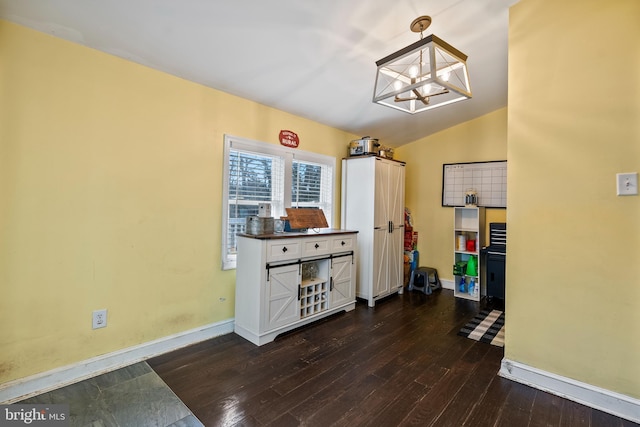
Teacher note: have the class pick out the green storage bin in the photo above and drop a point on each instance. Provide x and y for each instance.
(460, 268)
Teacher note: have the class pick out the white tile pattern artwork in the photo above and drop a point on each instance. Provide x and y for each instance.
(488, 179)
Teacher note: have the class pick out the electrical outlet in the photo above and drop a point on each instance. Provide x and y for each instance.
(627, 184)
(99, 319)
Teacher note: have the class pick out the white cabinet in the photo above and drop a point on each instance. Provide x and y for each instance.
(373, 204)
(287, 280)
(281, 304)
(468, 238)
(343, 281)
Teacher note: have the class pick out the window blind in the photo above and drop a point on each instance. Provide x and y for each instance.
(257, 172)
(311, 186)
(253, 178)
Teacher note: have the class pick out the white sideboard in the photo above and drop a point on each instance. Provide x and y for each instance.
(286, 280)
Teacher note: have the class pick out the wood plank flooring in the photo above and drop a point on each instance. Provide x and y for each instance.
(400, 363)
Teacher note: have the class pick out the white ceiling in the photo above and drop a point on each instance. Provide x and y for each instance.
(312, 58)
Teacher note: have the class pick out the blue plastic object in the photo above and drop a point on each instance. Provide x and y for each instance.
(415, 256)
(462, 287)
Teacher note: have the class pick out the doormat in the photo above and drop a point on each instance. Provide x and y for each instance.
(487, 326)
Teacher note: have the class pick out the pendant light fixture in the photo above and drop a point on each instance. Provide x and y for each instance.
(427, 74)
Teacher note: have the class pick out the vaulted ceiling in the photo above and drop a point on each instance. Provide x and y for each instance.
(315, 59)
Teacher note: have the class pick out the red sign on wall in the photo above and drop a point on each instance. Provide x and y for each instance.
(289, 139)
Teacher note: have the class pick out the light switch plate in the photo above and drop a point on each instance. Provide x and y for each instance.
(627, 184)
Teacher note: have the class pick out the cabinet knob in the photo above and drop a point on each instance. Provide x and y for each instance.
(284, 249)
(316, 246)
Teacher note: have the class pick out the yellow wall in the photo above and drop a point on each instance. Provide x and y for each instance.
(573, 290)
(482, 139)
(110, 197)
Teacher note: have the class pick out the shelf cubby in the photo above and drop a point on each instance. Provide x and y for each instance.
(468, 225)
(314, 298)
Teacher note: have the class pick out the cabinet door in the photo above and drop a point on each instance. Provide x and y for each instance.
(495, 275)
(380, 265)
(396, 216)
(395, 192)
(395, 259)
(389, 195)
(342, 287)
(390, 205)
(381, 199)
(282, 305)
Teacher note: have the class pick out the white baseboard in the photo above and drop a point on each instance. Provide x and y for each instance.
(447, 284)
(604, 400)
(23, 388)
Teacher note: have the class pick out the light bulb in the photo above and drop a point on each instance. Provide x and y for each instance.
(397, 85)
(426, 89)
(446, 76)
(413, 71)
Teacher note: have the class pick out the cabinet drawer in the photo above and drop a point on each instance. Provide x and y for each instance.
(283, 250)
(343, 243)
(315, 247)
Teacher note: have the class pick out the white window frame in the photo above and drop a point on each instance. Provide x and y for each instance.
(289, 155)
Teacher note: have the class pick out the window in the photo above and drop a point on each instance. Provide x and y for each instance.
(257, 172)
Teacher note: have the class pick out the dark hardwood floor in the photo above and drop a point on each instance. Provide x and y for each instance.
(400, 363)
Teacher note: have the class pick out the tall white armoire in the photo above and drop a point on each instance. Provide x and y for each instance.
(373, 204)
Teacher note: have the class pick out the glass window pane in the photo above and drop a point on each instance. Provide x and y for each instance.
(311, 186)
(306, 183)
(253, 178)
(263, 173)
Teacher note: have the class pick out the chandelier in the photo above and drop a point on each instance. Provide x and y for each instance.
(427, 74)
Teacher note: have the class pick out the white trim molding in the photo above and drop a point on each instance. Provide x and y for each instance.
(447, 284)
(23, 388)
(598, 398)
